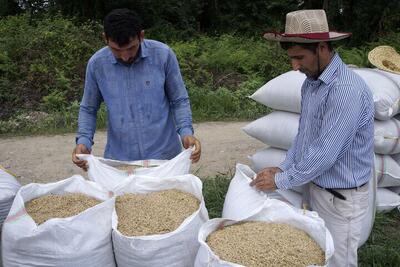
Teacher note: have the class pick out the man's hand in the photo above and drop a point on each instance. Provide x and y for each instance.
(80, 149)
(189, 141)
(265, 179)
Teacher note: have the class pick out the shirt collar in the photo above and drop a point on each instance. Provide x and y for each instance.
(143, 52)
(328, 75)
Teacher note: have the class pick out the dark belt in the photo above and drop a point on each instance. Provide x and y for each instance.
(336, 193)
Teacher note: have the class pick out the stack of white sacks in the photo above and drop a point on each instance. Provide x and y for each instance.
(278, 129)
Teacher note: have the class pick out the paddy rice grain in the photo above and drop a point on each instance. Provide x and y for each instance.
(265, 244)
(47, 207)
(154, 213)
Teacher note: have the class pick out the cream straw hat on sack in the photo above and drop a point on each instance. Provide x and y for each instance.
(386, 58)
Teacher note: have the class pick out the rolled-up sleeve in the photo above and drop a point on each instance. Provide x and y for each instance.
(178, 96)
(88, 108)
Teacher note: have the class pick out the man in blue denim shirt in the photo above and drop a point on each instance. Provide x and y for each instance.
(139, 80)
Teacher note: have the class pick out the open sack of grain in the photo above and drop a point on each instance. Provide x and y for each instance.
(110, 173)
(270, 157)
(294, 238)
(33, 237)
(157, 220)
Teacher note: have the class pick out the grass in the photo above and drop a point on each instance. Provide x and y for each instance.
(381, 249)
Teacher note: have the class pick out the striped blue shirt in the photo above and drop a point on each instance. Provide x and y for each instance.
(334, 146)
(147, 104)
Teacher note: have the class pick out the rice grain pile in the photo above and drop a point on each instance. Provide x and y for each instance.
(126, 167)
(58, 206)
(154, 213)
(265, 244)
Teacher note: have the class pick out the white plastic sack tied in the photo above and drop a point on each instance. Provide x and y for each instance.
(102, 172)
(271, 157)
(279, 128)
(241, 200)
(284, 91)
(177, 248)
(271, 210)
(81, 240)
(387, 200)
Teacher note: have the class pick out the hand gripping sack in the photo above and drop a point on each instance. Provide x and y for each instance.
(271, 157)
(81, 240)
(271, 210)
(102, 171)
(177, 248)
(242, 199)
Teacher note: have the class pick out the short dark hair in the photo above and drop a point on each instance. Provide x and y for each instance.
(309, 46)
(121, 25)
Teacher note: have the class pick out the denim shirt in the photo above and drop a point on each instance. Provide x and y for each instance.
(334, 146)
(147, 104)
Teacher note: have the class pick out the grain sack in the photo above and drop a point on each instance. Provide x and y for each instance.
(279, 128)
(176, 248)
(104, 171)
(387, 171)
(386, 200)
(8, 189)
(265, 244)
(395, 189)
(272, 211)
(241, 200)
(81, 240)
(271, 157)
(284, 91)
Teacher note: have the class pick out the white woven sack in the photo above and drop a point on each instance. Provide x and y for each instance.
(177, 248)
(102, 171)
(387, 171)
(279, 128)
(8, 189)
(271, 210)
(282, 93)
(385, 90)
(242, 199)
(386, 200)
(81, 240)
(271, 157)
(395, 189)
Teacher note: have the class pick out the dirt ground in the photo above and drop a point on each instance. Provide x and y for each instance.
(45, 159)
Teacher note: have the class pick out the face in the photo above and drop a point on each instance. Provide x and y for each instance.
(304, 60)
(126, 53)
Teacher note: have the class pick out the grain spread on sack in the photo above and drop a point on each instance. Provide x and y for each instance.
(265, 244)
(154, 213)
(47, 207)
(126, 167)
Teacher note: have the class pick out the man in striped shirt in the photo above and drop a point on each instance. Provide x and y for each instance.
(334, 146)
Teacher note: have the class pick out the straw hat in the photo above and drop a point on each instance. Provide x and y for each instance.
(306, 26)
(386, 58)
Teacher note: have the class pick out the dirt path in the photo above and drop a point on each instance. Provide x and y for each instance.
(48, 158)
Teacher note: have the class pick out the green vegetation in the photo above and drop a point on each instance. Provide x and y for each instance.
(42, 67)
(381, 250)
